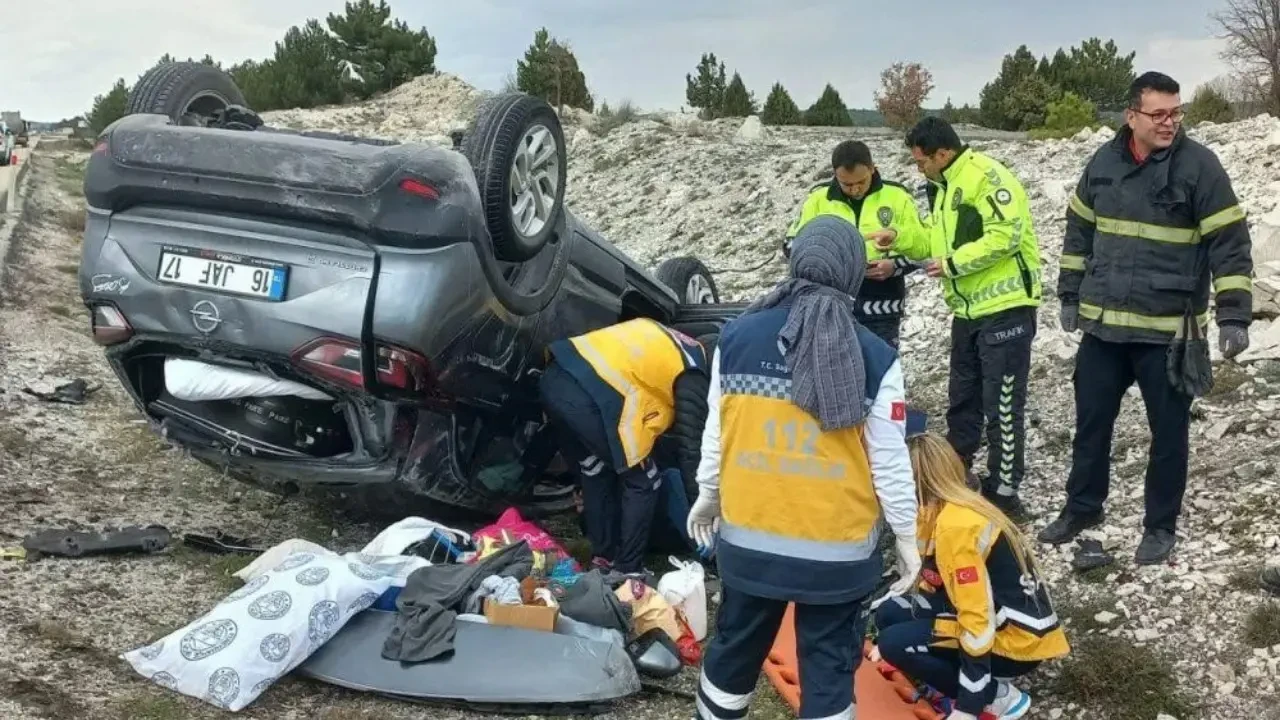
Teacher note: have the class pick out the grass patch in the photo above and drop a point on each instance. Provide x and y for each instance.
(1227, 378)
(1080, 617)
(1121, 681)
(150, 705)
(1262, 626)
(220, 568)
(610, 118)
(40, 696)
(1247, 579)
(61, 311)
(72, 219)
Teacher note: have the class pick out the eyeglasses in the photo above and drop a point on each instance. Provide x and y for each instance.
(1160, 117)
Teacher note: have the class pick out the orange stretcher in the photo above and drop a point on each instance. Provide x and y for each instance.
(883, 693)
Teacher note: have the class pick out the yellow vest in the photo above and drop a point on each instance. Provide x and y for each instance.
(639, 361)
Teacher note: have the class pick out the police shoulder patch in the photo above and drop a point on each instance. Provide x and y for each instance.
(1003, 196)
(957, 198)
(885, 216)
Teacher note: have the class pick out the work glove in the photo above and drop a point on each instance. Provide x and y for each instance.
(1070, 317)
(704, 519)
(1233, 338)
(908, 569)
(957, 715)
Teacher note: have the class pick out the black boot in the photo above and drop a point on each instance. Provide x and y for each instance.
(1155, 547)
(1011, 506)
(1067, 526)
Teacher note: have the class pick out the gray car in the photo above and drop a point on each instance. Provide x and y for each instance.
(383, 308)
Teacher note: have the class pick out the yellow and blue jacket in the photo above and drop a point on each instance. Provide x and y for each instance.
(631, 371)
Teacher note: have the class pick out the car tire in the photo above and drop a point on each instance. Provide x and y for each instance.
(689, 279)
(187, 92)
(514, 130)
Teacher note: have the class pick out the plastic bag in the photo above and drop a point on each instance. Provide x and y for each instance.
(685, 589)
(511, 528)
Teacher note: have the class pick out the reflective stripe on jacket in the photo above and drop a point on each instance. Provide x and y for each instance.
(981, 226)
(1144, 239)
(886, 205)
(630, 370)
(801, 508)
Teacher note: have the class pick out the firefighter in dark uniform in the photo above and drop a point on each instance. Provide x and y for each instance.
(1152, 224)
(804, 459)
(610, 394)
(982, 245)
(858, 194)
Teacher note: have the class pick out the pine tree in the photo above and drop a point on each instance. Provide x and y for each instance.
(109, 107)
(382, 53)
(737, 101)
(706, 92)
(829, 110)
(550, 71)
(780, 109)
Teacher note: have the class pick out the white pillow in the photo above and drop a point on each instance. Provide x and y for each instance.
(260, 632)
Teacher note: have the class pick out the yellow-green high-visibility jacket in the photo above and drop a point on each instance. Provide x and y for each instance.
(981, 228)
(1143, 240)
(887, 204)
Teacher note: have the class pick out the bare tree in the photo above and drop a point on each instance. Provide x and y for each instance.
(1252, 31)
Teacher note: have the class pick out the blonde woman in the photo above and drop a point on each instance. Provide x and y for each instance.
(980, 615)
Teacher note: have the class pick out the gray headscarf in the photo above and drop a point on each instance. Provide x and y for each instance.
(820, 340)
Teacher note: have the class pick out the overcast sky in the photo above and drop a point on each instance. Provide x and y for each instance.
(58, 54)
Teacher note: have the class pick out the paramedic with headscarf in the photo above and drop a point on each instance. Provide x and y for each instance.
(803, 452)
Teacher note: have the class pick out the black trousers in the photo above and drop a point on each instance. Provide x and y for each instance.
(828, 648)
(618, 506)
(886, 327)
(990, 365)
(1104, 371)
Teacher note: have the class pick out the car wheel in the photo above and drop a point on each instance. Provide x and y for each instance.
(516, 147)
(689, 279)
(187, 92)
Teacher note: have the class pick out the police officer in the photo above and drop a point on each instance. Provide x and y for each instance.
(982, 246)
(1153, 220)
(803, 452)
(858, 194)
(610, 393)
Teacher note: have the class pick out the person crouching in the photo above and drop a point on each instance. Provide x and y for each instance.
(609, 394)
(803, 455)
(982, 614)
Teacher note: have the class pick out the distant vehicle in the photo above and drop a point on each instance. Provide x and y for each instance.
(312, 309)
(19, 127)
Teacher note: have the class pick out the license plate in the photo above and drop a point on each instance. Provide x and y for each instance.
(224, 272)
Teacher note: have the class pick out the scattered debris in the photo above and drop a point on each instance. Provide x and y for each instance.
(75, 392)
(72, 543)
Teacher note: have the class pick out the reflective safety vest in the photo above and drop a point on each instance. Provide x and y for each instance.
(997, 608)
(981, 226)
(629, 370)
(799, 513)
(886, 205)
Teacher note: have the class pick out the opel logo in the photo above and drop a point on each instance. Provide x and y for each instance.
(204, 315)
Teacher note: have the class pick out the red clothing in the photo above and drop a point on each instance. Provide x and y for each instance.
(1138, 155)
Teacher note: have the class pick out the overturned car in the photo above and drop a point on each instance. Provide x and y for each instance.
(312, 309)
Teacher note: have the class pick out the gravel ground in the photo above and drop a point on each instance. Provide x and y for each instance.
(1193, 639)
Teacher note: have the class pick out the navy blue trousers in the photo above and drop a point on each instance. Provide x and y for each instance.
(828, 646)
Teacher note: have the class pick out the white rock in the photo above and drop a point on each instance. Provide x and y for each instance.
(1105, 617)
(751, 129)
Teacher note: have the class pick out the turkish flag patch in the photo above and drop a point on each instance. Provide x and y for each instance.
(931, 577)
(966, 575)
(898, 411)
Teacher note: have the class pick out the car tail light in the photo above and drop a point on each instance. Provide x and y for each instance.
(110, 326)
(338, 360)
(419, 188)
